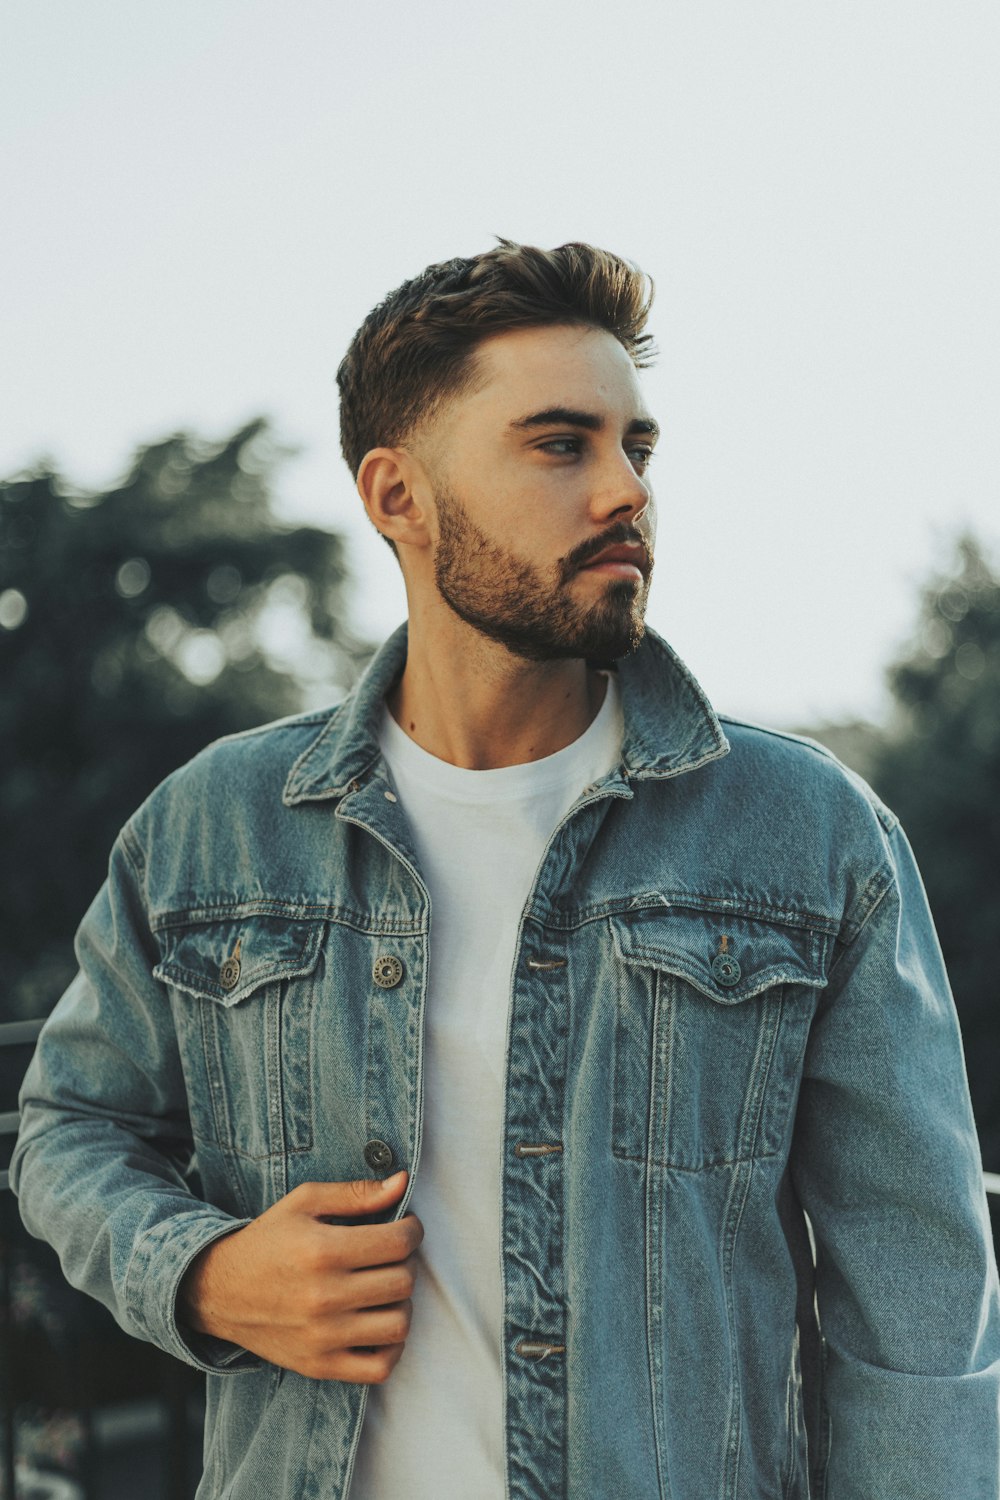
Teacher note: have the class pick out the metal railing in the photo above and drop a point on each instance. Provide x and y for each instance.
(14, 1034)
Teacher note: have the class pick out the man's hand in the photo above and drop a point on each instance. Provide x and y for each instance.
(331, 1301)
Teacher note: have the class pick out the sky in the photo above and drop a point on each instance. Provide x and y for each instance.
(202, 201)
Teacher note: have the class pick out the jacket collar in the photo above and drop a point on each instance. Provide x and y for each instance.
(670, 726)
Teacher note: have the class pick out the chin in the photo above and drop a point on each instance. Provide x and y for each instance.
(623, 645)
(616, 629)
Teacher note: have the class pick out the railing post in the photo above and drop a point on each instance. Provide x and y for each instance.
(12, 1034)
(6, 1374)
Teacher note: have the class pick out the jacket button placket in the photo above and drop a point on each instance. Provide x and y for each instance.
(532, 1229)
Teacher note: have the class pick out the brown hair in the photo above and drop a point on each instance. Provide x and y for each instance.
(415, 349)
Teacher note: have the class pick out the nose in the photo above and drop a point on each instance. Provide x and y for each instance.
(620, 493)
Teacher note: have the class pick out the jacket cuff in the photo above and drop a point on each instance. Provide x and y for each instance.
(889, 1431)
(155, 1272)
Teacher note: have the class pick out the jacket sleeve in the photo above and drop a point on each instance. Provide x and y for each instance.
(887, 1166)
(101, 1164)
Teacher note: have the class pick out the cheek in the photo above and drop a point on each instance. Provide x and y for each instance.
(534, 523)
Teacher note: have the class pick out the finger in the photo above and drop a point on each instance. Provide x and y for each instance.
(359, 1246)
(366, 1195)
(374, 1327)
(364, 1368)
(381, 1286)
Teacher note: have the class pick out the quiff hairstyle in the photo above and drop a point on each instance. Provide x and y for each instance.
(415, 349)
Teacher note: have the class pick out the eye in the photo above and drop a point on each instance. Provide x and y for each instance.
(570, 447)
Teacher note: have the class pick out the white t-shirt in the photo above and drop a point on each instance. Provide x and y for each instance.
(435, 1428)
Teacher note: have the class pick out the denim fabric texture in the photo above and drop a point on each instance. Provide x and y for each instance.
(760, 1267)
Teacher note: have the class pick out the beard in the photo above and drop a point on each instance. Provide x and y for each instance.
(507, 599)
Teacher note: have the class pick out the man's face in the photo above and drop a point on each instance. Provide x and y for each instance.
(544, 509)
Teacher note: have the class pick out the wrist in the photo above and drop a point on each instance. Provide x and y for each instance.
(200, 1301)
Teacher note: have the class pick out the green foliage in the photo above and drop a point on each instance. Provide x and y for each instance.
(134, 629)
(939, 769)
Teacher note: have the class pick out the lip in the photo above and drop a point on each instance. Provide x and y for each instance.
(615, 570)
(622, 561)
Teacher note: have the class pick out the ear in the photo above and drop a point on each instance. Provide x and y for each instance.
(395, 491)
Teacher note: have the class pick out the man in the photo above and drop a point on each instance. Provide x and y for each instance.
(521, 1081)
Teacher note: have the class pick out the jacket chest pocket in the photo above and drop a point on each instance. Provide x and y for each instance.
(711, 1022)
(244, 995)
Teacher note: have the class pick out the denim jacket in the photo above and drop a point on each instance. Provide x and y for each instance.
(760, 1266)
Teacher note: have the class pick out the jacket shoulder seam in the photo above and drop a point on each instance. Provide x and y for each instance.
(886, 817)
(868, 902)
(133, 850)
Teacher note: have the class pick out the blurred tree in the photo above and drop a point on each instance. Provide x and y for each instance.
(938, 767)
(136, 626)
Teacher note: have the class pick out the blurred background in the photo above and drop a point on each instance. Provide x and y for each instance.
(202, 202)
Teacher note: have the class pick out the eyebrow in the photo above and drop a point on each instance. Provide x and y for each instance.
(554, 416)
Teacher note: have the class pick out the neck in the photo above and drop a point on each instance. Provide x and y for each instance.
(469, 701)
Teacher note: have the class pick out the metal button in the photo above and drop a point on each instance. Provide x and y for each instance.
(388, 971)
(378, 1155)
(537, 1348)
(229, 974)
(726, 970)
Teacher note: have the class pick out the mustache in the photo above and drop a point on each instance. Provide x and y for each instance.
(615, 536)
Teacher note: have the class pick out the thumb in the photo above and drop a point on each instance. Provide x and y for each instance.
(366, 1195)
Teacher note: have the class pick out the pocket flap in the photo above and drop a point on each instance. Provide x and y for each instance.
(227, 960)
(727, 957)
